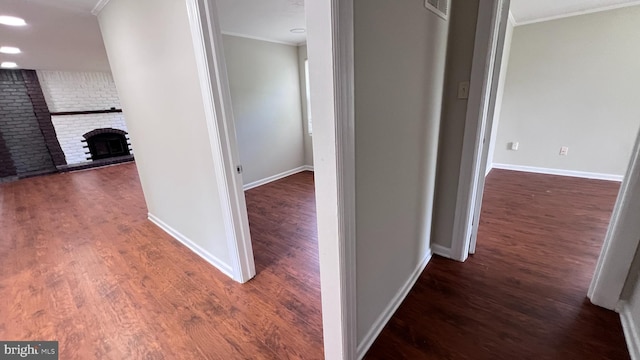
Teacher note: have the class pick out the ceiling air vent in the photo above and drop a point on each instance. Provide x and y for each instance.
(439, 7)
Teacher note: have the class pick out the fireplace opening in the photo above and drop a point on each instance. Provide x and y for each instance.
(106, 143)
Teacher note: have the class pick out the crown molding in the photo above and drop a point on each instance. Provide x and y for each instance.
(99, 6)
(576, 13)
(228, 33)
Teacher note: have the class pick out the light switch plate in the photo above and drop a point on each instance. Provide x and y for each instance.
(463, 90)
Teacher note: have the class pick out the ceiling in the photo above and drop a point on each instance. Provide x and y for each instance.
(263, 19)
(60, 35)
(64, 35)
(528, 11)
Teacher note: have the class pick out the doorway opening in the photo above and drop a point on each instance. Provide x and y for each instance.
(553, 161)
(264, 58)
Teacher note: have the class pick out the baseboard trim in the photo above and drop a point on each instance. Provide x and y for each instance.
(548, 171)
(269, 179)
(217, 263)
(630, 331)
(489, 168)
(391, 308)
(441, 251)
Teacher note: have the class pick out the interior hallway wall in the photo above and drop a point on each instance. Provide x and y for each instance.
(399, 54)
(153, 63)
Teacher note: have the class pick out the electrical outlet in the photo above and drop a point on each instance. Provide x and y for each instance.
(564, 150)
(514, 145)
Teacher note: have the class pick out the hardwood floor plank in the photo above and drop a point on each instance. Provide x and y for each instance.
(523, 294)
(82, 265)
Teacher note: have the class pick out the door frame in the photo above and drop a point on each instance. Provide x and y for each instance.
(618, 255)
(330, 53)
(330, 49)
(216, 96)
(621, 242)
(485, 72)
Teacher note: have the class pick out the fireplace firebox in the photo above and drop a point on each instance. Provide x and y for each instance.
(106, 143)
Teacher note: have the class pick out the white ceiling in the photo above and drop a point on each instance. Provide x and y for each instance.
(64, 35)
(528, 11)
(60, 35)
(263, 19)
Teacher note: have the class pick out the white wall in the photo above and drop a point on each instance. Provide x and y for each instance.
(265, 92)
(399, 73)
(80, 91)
(462, 31)
(153, 63)
(573, 82)
(308, 138)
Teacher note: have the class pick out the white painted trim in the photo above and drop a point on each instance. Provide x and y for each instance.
(275, 177)
(217, 263)
(344, 97)
(229, 33)
(441, 250)
(308, 167)
(621, 241)
(330, 50)
(99, 6)
(561, 172)
(391, 308)
(512, 19)
(212, 74)
(342, 32)
(489, 168)
(577, 13)
(630, 329)
(470, 179)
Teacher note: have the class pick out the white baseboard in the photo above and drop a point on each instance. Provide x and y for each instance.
(391, 308)
(441, 250)
(630, 329)
(489, 168)
(548, 171)
(269, 179)
(220, 265)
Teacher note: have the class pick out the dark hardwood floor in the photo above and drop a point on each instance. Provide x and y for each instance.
(523, 294)
(80, 263)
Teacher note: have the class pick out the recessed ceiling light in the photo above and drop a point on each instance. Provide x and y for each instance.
(12, 20)
(8, 65)
(298, 31)
(9, 50)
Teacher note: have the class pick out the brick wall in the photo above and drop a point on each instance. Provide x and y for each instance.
(7, 168)
(20, 128)
(41, 111)
(80, 91)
